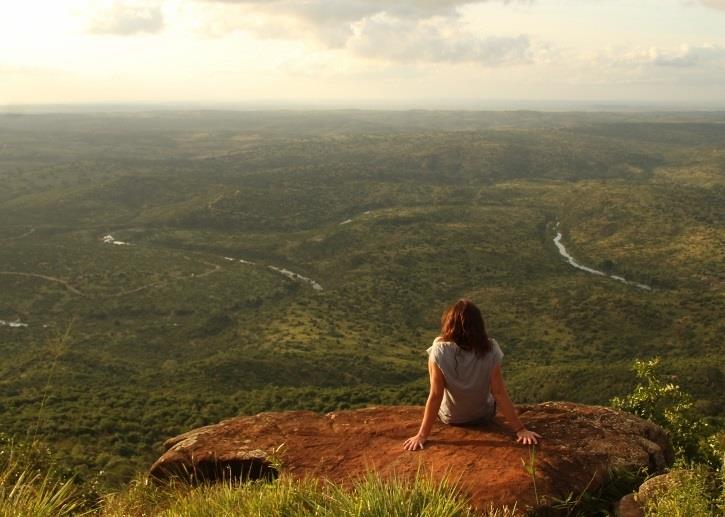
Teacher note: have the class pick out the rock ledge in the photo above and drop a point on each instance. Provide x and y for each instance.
(581, 445)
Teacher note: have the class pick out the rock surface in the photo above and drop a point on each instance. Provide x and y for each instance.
(652, 488)
(628, 507)
(580, 445)
(634, 505)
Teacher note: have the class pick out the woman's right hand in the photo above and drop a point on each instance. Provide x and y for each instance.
(414, 443)
(527, 437)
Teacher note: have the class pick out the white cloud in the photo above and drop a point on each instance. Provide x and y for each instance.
(678, 72)
(686, 56)
(407, 41)
(690, 56)
(402, 31)
(124, 18)
(323, 12)
(714, 4)
(329, 23)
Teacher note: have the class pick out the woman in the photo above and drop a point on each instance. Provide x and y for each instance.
(465, 377)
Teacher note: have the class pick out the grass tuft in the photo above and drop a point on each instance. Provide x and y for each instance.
(27, 492)
(370, 496)
(693, 493)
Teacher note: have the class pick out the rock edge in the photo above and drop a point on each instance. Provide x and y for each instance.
(581, 446)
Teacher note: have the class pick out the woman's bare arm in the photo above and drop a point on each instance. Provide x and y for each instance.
(435, 396)
(498, 387)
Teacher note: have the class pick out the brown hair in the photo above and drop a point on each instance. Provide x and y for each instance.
(463, 324)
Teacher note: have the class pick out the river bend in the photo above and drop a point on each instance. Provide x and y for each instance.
(564, 253)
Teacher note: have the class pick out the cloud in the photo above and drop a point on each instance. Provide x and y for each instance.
(694, 64)
(686, 56)
(714, 4)
(322, 12)
(689, 56)
(430, 41)
(329, 23)
(124, 18)
(407, 31)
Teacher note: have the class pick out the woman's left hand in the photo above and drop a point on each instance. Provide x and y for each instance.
(527, 437)
(414, 443)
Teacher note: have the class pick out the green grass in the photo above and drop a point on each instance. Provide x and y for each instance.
(370, 496)
(694, 492)
(23, 493)
(26, 490)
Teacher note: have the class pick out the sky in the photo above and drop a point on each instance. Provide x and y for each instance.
(361, 53)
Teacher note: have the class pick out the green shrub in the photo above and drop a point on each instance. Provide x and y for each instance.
(666, 404)
(698, 482)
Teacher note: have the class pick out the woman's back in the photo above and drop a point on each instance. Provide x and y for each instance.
(463, 377)
(467, 395)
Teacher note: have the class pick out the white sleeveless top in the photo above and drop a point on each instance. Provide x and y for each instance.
(467, 395)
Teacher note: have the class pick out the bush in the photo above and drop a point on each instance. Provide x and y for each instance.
(667, 405)
(697, 488)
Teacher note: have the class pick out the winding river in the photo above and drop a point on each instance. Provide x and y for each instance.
(282, 271)
(564, 253)
(13, 324)
(296, 276)
(109, 239)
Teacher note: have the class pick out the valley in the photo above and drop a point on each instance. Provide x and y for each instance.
(301, 260)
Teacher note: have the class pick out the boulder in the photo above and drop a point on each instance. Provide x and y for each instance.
(635, 504)
(655, 486)
(580, 446)
(628, 507)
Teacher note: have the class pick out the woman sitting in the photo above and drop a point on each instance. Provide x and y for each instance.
(466, 382)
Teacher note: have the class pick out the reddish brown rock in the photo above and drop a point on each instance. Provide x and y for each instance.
(634, 505)
(628, 507)
(580, 445)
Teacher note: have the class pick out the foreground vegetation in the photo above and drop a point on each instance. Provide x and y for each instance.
(394, 214)
(24, 496)
(370, 497)
(695, 494)
(695, 487)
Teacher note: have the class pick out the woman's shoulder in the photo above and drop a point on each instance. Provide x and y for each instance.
(496, 350)
(440, 345)
(439, 342)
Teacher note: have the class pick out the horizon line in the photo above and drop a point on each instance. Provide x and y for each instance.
(432, 105)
